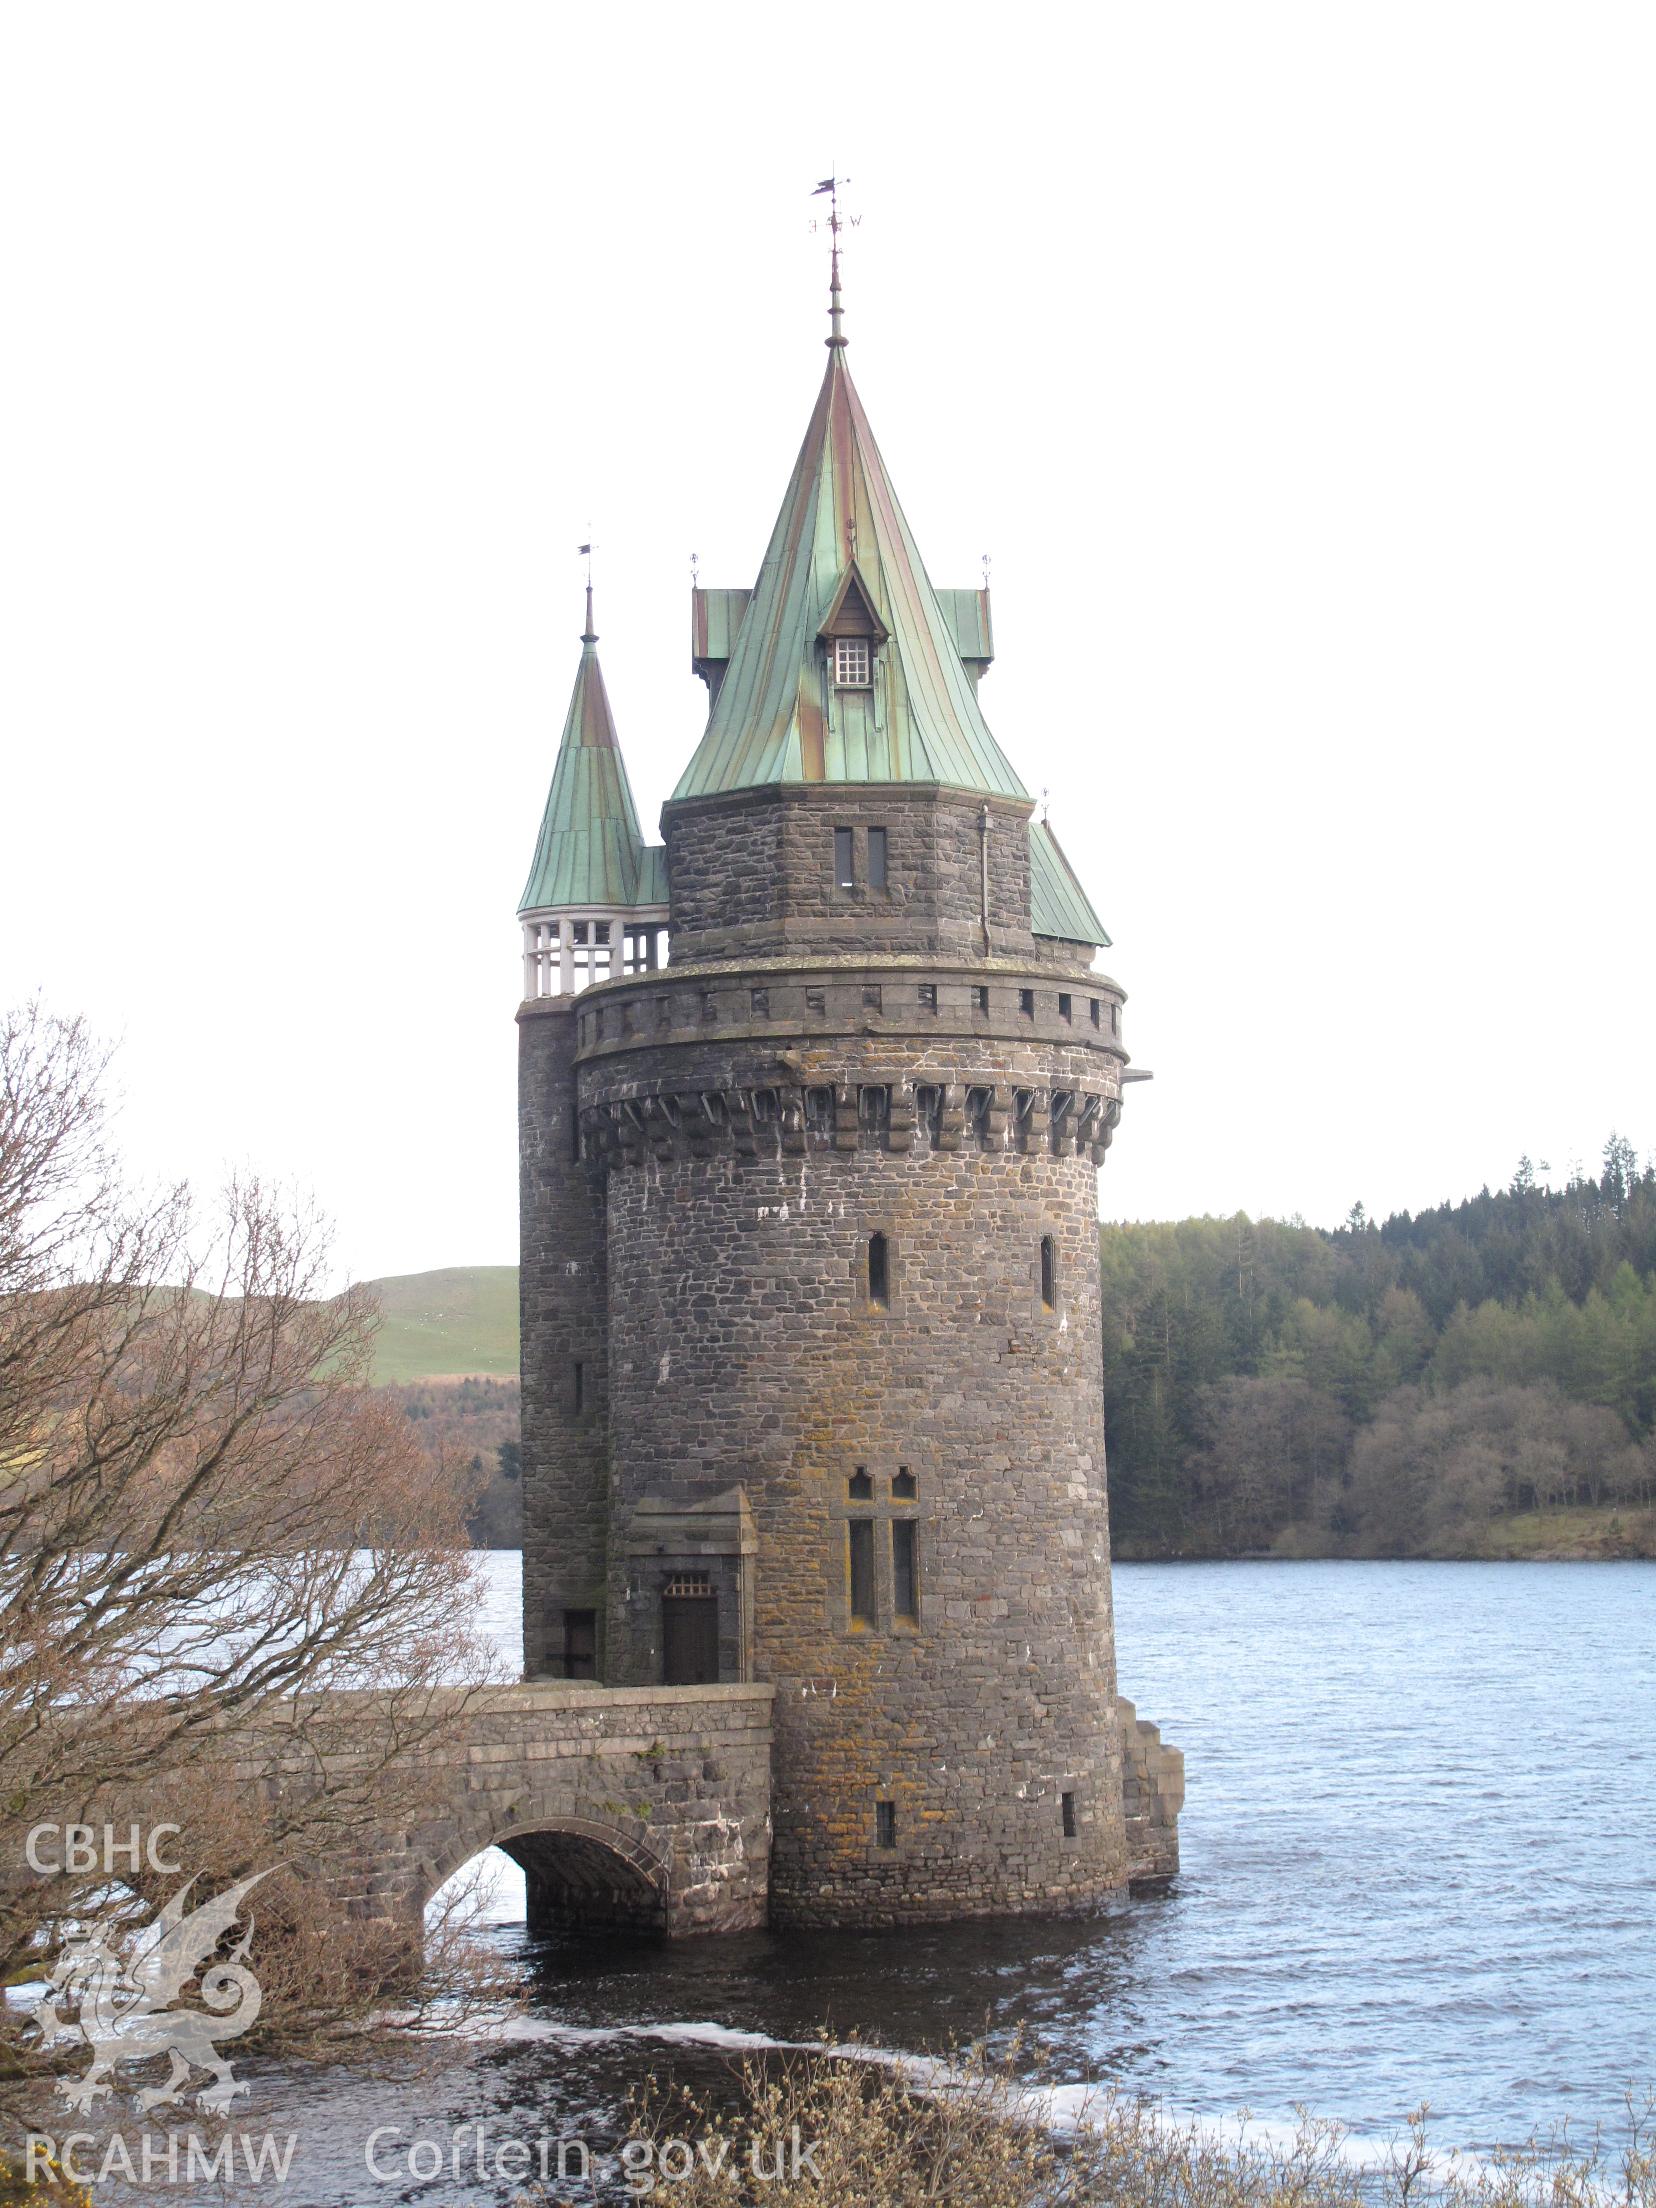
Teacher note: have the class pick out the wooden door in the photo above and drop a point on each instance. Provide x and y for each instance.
(689, 1640)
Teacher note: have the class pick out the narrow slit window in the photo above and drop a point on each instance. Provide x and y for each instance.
(759, 1001)
(905, 1568)
(1068, 1803)
(1066, 1005)
(980, 997)
(928, 996)
(579, 1385)
(853, 663)
(845, 858)
(885, 1824)
(1049, 1272)
(876, 858)
(860, 1545)
(1026, 1003)
(1095, 1019)
(879, 1269)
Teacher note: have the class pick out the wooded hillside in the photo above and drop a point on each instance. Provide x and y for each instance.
(1387, 1389)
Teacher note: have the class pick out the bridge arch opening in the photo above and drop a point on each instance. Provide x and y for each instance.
(564, 1878)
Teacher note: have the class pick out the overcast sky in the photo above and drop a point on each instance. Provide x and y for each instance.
(1294, 364)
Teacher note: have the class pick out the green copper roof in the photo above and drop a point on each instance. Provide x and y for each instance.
(1058, 905)
(776, 717)
(591, 850)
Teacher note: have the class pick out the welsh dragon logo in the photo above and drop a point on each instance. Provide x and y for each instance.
(118, 1994)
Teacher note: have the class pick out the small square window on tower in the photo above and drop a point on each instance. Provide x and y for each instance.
(853, 663)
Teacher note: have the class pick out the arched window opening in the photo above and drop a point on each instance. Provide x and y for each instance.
(861, 1487)
(879, 1269)
(1049, 1272)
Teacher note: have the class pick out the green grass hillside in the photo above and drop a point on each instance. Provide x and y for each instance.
(463, 1319)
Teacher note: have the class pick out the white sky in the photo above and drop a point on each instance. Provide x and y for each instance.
(1296, 364)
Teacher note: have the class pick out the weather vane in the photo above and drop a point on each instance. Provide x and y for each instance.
(836, 222)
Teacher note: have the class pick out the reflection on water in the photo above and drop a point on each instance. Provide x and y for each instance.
(1418, 1865)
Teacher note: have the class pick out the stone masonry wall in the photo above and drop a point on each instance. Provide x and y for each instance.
(756, 874)
(745, 1348)
(561, 1288)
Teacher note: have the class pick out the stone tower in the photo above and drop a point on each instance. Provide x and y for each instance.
(811, 1371)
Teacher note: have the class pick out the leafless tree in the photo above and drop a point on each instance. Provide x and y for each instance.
(210, 1529)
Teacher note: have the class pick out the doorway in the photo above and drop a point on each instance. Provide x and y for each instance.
(689, 1634)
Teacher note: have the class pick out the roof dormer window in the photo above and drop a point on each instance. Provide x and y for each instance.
(853, 663)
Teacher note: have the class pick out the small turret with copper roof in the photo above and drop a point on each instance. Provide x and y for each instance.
(595, 903)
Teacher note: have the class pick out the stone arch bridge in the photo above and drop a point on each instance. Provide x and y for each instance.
(646, 1808)
(638, 1808)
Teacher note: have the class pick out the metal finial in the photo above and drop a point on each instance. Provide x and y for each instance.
(831, 184)
(589, 635)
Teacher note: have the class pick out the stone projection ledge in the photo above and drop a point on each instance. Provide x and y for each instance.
(1152, 1782)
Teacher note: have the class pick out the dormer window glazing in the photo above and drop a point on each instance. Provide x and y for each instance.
(853, 663)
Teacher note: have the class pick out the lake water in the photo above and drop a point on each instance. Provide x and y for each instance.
(1419, 1864)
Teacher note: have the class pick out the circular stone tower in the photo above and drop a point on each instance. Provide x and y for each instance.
(813, 1390)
